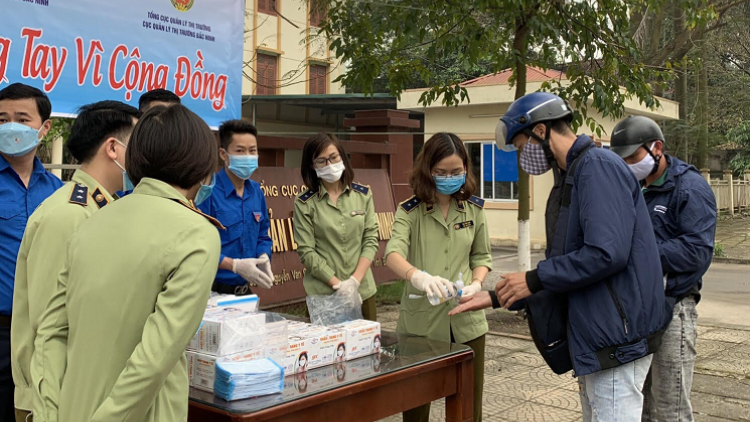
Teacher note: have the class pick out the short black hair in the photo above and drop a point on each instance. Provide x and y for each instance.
(171, 144)
(98, 122)
(561, 126)
(19, 91)
(162, 95)
(234, 127)
(312, 149)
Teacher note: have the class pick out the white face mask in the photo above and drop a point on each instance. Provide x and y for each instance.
(331, 173)
(340, 353)
(643, 168)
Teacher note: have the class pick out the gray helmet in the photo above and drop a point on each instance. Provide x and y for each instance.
(633, 132)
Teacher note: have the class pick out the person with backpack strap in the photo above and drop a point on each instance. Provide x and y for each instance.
(596, 305)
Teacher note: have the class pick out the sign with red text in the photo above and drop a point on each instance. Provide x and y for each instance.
(82, 51)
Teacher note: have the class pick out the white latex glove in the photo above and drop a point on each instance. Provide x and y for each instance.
(248, 268)
(352, 279)
(432, 285)
(350, 284)
(266, 267)
(471, 289)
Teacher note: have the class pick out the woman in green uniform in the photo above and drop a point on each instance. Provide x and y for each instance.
(133, 289)
(334, 224)
(439, 234)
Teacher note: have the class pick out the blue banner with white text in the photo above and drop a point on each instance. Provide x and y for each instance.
(82, 51)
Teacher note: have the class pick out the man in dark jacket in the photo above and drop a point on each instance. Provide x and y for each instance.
(683, 213)
(603, 258)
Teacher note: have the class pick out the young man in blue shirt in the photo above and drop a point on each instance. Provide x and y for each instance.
(238, 203)
(24, 183)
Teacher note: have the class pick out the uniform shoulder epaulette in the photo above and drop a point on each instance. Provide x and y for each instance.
(477, 201)
(99, 198)
(410, 204)
(191, 206)
(363, 189)
(79, 195)
(305, 196)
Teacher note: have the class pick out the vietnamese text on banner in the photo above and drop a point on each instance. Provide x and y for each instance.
(82, 51)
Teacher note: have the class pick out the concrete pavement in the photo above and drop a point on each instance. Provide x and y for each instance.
(519, 387)
(733, 237)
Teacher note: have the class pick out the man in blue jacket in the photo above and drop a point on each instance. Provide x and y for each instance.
(602, 262)
(683, 213)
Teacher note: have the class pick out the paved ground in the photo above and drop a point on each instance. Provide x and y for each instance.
(519, 387)
(734, 237)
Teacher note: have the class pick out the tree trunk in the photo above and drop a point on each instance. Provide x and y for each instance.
(701, 156)
(524, 194)
(681, 84)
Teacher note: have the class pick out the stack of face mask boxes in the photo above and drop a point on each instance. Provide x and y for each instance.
(233, 335)
(313, 346)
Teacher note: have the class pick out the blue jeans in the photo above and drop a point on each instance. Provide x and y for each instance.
(668, 384)
(614, 395)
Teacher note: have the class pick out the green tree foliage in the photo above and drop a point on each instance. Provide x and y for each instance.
(740, 136)
(407, 40)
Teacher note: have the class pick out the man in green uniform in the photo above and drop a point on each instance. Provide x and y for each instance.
(98, 140)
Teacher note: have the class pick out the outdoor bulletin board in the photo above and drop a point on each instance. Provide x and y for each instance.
(82, 51)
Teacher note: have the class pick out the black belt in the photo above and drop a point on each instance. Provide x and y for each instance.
(228, 289)
(4, 321)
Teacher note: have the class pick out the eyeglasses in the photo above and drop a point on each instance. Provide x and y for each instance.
(322, 162)
(447, 176)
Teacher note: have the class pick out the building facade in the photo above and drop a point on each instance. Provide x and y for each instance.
(475, 123)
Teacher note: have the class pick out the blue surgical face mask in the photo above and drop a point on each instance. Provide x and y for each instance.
(127, 184)
(243, 166)
(17, 139)
(205, 191)
(448, 185)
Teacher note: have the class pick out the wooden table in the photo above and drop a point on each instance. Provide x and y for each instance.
(410, 372)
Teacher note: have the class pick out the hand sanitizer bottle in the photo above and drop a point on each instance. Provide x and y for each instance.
(459, 287)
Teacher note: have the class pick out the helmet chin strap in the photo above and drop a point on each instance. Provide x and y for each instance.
(656, 160)
(544, 142)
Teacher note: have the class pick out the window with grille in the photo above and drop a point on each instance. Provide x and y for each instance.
(318, 79)
(268, 7)
(496, 171)
(266, 74)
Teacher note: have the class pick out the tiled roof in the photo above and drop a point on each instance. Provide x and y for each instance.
(533, 74)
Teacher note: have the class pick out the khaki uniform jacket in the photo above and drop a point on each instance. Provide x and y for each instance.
(331, 238)
(441, 248)
(132, 293)
(40, 259)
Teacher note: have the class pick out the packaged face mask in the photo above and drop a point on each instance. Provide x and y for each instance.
(241, 380)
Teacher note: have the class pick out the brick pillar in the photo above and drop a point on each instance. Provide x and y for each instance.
(398, 165)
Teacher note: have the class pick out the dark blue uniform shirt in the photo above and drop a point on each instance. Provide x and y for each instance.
(16, 205)
(246, 221)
